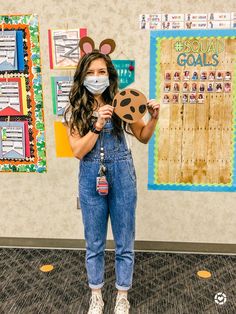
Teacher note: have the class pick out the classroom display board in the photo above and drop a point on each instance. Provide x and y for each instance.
(22, 141)
(61, 86)
(64, 51)
(192, 75)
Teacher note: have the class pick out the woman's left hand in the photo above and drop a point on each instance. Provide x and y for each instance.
(153, 108)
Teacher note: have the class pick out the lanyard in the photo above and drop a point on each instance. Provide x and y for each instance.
(102, 185)
(102, 168)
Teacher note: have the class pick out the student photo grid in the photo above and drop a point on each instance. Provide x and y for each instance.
(193, 86)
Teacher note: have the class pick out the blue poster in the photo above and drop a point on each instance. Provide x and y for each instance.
(126, 71)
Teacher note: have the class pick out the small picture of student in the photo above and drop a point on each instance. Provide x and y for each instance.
(219, 87)
(165, 25)
(175, 99)
(200, 98)
(167, 87)
(185, 98)
(227, 76)
(186, 75)
(202, 87)
(210, 87)
(192, 98)
(177, 76)
(176, 87)
(212, 76)
(219, 76)
(166, 99)
(195, 76)
(203, 75)
(194, 87)
(168, 76)
(185, 87)
(143, 22)
(188, 25)
(227, 87)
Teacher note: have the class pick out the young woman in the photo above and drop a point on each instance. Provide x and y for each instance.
(94, 129)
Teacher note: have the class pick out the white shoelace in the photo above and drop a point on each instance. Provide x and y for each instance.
(122, 306)
(96, 305)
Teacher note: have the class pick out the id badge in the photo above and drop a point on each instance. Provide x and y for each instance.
(102, 185)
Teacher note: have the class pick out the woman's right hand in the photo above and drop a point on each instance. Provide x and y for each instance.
(104, 113)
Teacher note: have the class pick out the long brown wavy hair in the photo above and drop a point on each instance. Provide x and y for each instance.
(78, 115)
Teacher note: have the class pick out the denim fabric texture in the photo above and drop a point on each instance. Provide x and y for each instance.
(119, 204)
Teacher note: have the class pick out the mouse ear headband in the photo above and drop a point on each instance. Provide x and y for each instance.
(106, 47)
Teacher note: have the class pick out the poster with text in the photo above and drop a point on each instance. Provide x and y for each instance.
(64, 52)
(192, 75)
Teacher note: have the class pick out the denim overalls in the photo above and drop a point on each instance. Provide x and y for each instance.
(120, 204)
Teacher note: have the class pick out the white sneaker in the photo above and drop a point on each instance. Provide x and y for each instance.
(122, 306)
(96, 304)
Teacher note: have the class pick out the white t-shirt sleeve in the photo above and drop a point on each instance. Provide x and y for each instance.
(128, 137)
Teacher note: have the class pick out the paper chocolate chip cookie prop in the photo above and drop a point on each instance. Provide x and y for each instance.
(130, 105)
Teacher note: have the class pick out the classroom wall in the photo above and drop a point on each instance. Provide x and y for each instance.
(36, 205)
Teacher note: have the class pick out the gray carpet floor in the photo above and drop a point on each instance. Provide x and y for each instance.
(163, 283)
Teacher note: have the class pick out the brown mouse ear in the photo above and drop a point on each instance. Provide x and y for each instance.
(86, 44)
(107, 46)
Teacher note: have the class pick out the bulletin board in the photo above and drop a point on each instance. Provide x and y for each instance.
(22, 140)
(192, 75)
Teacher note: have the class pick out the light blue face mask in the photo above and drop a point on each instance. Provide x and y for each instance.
(96, 84)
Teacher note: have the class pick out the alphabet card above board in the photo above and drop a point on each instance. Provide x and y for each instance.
(22, 143)
(192, 75)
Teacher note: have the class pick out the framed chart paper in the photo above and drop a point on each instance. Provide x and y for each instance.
(192, 75)
(61, 86)
(14, 140)
(64, 52)
(13, 99)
